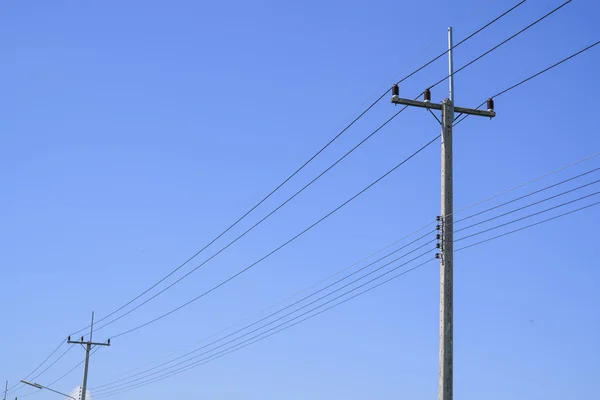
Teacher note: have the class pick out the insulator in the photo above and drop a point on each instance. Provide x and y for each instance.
(438, 236)
(427, 95)
(395, 90)
(438, 227)
(69, 339)
(437, 245)
(438, 218)
(437, 255)
(490, 104)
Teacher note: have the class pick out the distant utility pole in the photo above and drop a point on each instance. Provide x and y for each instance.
(446, 226)
(87, 346)
(5, 390)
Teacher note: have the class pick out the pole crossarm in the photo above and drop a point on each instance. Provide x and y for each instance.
(90, 343)
(87, 347)
(437, 106)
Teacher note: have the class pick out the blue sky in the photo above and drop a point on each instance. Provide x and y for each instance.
(134, 132)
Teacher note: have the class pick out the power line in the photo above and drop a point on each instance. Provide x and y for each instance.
(38, 367)
(530, 226)
(62, 376)
(504, 42)
(294, 304)
(258, 337)
(255, 225)
(527, 216)
(330, 167)
(296, 193)
(313, 302)
(529, 194)
(527, 206)
(300, 315)
(395, 251)
(534, 76)
(301, 167)
(285, 243)
(459, 43)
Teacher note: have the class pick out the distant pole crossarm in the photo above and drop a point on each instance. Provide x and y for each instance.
(436, 106)
(38, 386)
(88, 346)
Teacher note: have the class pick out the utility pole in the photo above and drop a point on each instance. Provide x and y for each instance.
(446, 226)
(5, 390)
(89, 345)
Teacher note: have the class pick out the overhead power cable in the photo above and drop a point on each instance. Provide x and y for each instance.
(339, 272)
(363, 141)
(10, 390)
(285, 243)
(62, 376)
(145, 374)
(526, 206)
(397, 250)
(301, 167)
(530, 78)
(272, 331)
(428, 243)
(423, 254)
(504, 42)
(130, 380)
(291, 197)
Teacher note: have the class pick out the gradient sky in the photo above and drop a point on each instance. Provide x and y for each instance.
(133, 132)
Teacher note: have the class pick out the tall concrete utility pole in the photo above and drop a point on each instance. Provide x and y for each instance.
(446, 226)
(89, 345)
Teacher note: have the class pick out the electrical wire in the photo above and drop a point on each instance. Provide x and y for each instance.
(429, 251)
(321, 298)
(262, 312)
(529, 226)
(299, 169)
(459, 43)
(64, 375)
(529, 194)
(297, 192)
(526, 217)
(531, 77)
(339, 160)
(291, 305)
(504, 42)
(527, 206)
(10, 390)
(285, 243)
(397, 250)
(258, 337)
(306, 298)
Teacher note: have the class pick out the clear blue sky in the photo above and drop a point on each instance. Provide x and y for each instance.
(133, 132)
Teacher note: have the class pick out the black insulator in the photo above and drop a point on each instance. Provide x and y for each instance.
(438, 236)
(490, 104)
(437, 245)
(437, 255)
(438, 218)
(427, 95)
(438, 227)
(395, 90)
